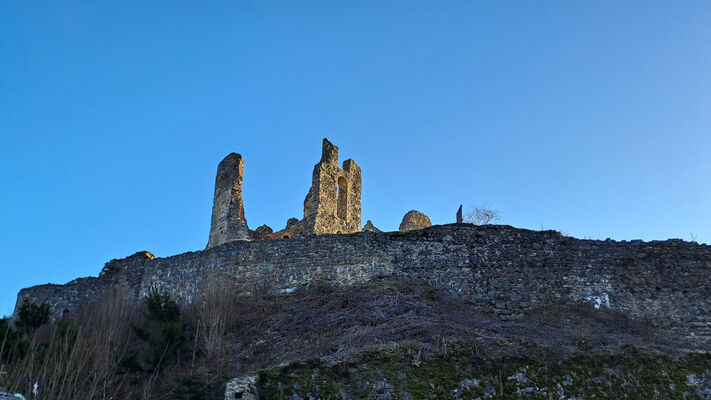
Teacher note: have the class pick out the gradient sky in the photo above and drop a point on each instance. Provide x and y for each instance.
(589, 117)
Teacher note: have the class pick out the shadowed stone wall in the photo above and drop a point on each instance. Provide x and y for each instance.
(500, 269)
(414, 220)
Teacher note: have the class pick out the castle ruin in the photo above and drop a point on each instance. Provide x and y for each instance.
(500, 269)
(228, 222)
(332, 205)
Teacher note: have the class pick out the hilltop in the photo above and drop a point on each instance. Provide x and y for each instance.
(497, 295)
(325, 309)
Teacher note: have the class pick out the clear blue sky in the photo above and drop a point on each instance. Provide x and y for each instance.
(588, 117)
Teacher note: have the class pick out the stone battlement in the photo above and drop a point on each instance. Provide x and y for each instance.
(500, 269)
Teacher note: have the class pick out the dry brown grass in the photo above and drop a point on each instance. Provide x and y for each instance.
(229, 334)
(213, 311)
(77, 361)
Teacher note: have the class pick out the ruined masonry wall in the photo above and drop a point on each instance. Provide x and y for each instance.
(333, 203)
(500, 269)
(228, 221)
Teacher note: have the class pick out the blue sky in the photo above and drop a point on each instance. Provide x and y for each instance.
(591, 118)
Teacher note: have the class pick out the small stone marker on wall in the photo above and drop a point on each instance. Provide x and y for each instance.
(459, 215)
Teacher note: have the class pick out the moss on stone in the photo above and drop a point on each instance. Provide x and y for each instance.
(403, 374)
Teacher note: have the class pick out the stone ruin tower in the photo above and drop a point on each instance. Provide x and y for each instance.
(228, 221)
(333, 203)
(331, 206)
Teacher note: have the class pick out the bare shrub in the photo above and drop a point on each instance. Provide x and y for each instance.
(481, 215)
(78, 360)
(213, 311)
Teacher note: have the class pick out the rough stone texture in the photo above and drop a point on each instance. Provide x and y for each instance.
(294, 227)
(414, 220)
(244, 388)
(500, 269)
(262, 232)
(331, 206)
(333, 202)
(228, 221)
(369, 227)
(458, 374)
(11, 396)
(115, 267)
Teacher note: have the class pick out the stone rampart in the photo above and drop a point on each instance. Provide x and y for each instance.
(500, 269)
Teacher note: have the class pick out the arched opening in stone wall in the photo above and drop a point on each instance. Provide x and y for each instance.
(342, 205)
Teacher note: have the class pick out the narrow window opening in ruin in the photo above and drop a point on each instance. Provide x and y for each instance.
(342, 206)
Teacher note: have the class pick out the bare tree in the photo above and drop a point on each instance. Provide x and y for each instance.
(481, 215)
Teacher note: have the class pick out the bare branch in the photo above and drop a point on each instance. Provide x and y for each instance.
(481, 215)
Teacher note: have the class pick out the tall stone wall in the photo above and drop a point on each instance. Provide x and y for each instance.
(500, 269)
(333, 202)
(228, 221)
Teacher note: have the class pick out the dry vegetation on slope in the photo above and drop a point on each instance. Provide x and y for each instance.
(116, 350)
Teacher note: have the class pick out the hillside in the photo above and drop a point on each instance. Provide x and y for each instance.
(452, 311)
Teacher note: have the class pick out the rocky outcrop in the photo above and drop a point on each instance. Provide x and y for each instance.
(333, 202)
(369, 227)
(414, 220)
